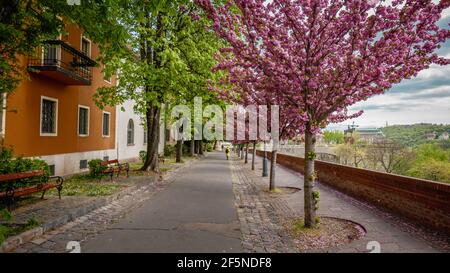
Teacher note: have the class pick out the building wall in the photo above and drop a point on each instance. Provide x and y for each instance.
(125, 151)
(131, 152)
(22, 122)
(423, 201)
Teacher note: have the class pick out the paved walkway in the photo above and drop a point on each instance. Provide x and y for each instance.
(380, 226)
(195, 214)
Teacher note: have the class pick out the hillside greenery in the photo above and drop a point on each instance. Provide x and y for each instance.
(414, 135)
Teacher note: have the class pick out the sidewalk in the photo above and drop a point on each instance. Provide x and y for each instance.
(380, 226)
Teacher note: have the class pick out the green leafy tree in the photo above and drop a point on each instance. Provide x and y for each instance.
(27, 24)
(333, 137)
(168, 59)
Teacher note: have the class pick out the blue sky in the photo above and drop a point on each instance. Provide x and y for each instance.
(425, 98)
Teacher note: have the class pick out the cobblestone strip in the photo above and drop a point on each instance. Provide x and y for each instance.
(258, 215)
(91, 224)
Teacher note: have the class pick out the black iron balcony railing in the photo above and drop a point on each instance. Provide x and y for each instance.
(60, 61)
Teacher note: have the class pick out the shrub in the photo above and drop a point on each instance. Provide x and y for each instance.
(143, 156)
(432, 169)
(9, 164)
(169, 150)
(96, 168)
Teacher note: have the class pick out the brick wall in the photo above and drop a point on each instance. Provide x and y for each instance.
(423, 201)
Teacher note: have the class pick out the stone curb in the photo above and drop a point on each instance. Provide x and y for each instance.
(15, 241)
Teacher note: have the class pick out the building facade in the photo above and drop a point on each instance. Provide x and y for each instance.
(131, 135)
(52, 115)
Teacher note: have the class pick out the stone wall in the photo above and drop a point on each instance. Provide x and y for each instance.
(423, 201)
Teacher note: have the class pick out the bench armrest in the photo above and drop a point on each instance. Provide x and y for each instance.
(59, 179)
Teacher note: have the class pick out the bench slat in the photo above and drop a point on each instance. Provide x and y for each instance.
(17, 176)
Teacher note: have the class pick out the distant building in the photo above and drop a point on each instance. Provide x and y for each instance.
(444, 136)
(370, 134)
(430, 136)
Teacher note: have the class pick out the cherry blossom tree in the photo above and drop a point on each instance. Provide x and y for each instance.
(321, 56)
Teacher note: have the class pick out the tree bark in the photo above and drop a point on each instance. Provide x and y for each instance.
(242, 151)
(152, 120)
(179, 151)
(253, 155)
(246, 153)
(192, 147)
(309, 179)
(200, 145)
(273, 164)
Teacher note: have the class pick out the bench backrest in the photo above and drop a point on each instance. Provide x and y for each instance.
(23, 175)
(107, 162)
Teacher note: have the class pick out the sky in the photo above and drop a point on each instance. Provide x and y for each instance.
(425, 98)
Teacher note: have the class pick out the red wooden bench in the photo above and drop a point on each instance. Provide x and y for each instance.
(113, 166)
(41, 183)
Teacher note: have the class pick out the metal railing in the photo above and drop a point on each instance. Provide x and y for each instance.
(60, 56)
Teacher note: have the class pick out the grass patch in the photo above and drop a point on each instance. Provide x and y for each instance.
(7, 230)
(84, 185)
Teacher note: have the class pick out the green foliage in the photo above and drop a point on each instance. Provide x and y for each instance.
(7, 230)
(311, 155)
(9, 164)
(169, 150)
(316, 198)
(414, 135)
(96, 168)
(143, 156)
(25, 25)
(431, 169)
(5, 215)
(432, 151)
(333, 137)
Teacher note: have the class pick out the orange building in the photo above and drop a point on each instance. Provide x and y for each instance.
(52, 115)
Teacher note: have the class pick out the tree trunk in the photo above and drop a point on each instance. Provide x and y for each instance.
(273, 164)
(192, 146)
(179, 151)
(215, 145)
(200, 147)
(309, 179)
(152, 120)
(242, 151)
(246, 153)
(253, 155)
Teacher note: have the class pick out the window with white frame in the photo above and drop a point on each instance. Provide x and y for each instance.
(83, 120)
(49, 116)
(86, 46)
(106, 121)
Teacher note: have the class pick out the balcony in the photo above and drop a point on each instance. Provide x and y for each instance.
(59, 61)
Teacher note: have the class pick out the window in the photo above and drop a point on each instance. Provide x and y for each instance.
(83, 120)
(83, 164)
(49, 116)
(106, 119)
(105, 158)
(145, 136)
(130, 132)
(86, 46)
(52, 169)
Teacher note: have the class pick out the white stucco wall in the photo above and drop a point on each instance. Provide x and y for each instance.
(131, 152)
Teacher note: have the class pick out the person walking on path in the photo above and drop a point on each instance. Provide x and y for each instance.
(227, 152)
